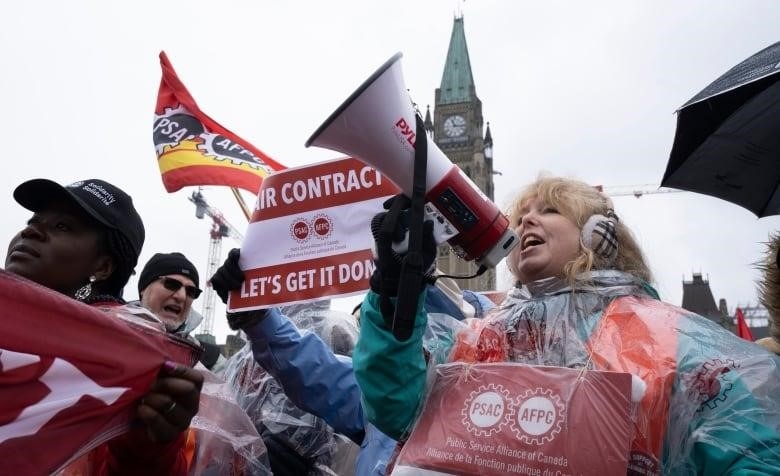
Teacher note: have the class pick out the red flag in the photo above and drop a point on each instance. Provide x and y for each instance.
(193, 149)
(70, 374)
(742, 328)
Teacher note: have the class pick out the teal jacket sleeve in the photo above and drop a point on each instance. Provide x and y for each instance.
(743, 444)
(726, 395)
(391, 374)
(736, 430)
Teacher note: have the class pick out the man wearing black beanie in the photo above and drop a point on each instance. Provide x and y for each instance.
(167, 286)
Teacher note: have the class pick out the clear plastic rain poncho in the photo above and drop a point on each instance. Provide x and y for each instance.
(275, 416)
(605, 379)
(226, 441)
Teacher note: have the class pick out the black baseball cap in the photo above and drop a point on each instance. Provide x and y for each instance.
(105, 202)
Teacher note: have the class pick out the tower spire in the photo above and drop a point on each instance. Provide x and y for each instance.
(457, 82)
(458, 130)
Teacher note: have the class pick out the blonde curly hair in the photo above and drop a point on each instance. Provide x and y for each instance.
(578, 201)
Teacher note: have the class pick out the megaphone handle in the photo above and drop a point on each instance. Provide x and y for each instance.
(410, 282)
(408, 293)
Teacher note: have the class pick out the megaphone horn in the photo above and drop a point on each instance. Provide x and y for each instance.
(376, 124)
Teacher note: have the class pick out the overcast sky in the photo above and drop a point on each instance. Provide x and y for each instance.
(581, 89)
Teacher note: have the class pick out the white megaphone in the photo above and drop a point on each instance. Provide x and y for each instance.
(376, 124)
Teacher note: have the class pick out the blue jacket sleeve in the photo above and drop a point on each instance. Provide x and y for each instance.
(391, 373)
(375, 453)
(312, 376)
(480, 303)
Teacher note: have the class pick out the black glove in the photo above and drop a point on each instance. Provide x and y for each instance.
(385, 279)
(230, 277)
(388, 228)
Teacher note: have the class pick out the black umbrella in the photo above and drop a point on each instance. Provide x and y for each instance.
(727, 142)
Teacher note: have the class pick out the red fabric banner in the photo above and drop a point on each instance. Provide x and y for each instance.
(742, 328)
(193, 149)
(70, 374)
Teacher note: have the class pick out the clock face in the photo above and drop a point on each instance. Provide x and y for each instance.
(454, 126)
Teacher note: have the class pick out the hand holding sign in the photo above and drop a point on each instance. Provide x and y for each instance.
(229, 277)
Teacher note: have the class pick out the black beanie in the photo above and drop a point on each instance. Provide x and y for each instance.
(162, 264)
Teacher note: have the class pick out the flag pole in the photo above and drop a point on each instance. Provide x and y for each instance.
(241, 203)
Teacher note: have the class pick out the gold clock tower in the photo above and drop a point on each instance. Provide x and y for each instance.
(458, 130)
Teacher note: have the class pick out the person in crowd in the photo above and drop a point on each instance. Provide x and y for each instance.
(706, 400)
(769, 292)
(299, 443)
(83, 240)
(313, 377)
(167, 286)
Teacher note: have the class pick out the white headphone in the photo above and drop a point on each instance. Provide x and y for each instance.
(600, 233)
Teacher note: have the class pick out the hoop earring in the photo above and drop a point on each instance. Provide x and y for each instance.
(84, 291)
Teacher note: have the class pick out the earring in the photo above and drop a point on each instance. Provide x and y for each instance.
(84, 291)
(600, 234)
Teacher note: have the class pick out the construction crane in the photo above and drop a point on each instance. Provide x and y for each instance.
(220, 228)
(635, 190)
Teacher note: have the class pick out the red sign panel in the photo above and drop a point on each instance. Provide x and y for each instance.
(508, 418)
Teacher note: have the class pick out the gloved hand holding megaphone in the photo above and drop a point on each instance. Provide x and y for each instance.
(400, 271)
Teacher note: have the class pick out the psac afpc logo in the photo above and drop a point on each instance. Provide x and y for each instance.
(540, 415)
(535, 417)
(487, 410)
(322, 226)
(319, 227)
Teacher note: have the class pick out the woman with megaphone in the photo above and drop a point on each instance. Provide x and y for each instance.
(582, 368)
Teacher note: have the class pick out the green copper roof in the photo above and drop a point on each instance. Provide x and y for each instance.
(457, 82)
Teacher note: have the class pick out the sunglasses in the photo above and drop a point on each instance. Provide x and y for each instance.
(173, 285)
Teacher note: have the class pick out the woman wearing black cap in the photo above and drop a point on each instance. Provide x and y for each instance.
(83, 241)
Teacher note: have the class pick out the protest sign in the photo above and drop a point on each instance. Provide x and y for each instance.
(509, 418)
(309, 237)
